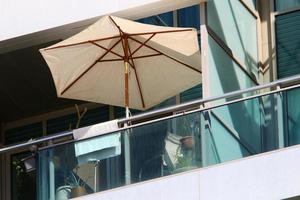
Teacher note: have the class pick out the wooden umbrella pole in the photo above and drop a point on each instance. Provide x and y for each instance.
(126, 89)
(126, 60)
(127, 133)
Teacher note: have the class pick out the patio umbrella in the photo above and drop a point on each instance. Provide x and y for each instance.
(124, 63)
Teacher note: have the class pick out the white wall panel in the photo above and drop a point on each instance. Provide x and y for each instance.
(273, 175)
(24, 17)
(32, 22)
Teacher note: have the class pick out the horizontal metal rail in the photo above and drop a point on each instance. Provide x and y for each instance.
(186, 112)
(172, 109)
(34, 142)
(198, 102)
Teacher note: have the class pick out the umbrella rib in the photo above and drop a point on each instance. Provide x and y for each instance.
(121, 35)
(184, 64)
(131, 65)
(79, 43)
(98, 45)
(108, 38)
(116, 25)
(90, 67)
(146, 56)
(141, 45)
(159, 32)
(108, 60)
(136, 76)
(147, 33)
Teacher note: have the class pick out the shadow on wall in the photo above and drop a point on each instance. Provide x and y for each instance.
(243, 118)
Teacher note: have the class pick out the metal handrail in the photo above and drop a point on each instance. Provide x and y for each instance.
(159, 112)
(35, 141)
(199, 102)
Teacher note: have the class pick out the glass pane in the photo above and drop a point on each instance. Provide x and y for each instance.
(94, 116)
(286, 4)
(247, 130)
(165, 19)
(23, 133)
(169, 146)
(233, 23)
(189, 17)
(220, 139)
(97, 164)
(224, 74)
(293, 110)
(287, 44)
(191, 94)
(23, 182)
(64, 123)
(271, 117)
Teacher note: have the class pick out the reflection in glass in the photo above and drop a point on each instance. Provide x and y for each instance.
(170, 146)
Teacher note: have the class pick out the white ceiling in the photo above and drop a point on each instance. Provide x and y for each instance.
(151, 7)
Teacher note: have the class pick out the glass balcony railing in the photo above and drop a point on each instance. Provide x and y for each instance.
(171, 145)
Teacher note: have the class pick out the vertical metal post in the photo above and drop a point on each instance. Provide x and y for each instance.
(280, 119)
(51, 174)
(205, 82)
(96, 175)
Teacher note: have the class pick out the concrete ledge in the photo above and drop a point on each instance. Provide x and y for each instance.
(272, 175)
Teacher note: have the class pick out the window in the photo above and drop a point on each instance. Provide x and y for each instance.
(282, 5)
(288, 44)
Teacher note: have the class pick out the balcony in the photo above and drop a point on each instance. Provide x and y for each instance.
(233, 126)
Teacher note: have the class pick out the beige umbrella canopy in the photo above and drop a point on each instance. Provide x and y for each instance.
(124, 63)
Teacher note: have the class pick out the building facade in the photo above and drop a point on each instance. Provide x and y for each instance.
(244, 133)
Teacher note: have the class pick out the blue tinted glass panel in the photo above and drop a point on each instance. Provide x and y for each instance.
(293, 110)
(60, 124)
(189, 17)
(23, 133)
(288, 44)
(95, 116)
(167, 146)
(165, 19)
(282, 5)
(191, 94)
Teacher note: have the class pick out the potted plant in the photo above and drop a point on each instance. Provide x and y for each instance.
(185, 130)
(74, 187)
(187, 142)
(182, 160)
(77, 185)
(184, 157)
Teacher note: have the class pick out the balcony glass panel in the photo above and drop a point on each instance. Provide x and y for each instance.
(169, 146)
(157, 149)
(293, 116)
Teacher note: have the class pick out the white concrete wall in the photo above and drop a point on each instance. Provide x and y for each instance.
(31, 22)
(23, 17)
(274, 175)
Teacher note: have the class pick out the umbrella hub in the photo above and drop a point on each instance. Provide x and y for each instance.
(125, 46)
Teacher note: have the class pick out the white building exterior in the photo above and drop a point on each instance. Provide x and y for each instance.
(248, 36)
